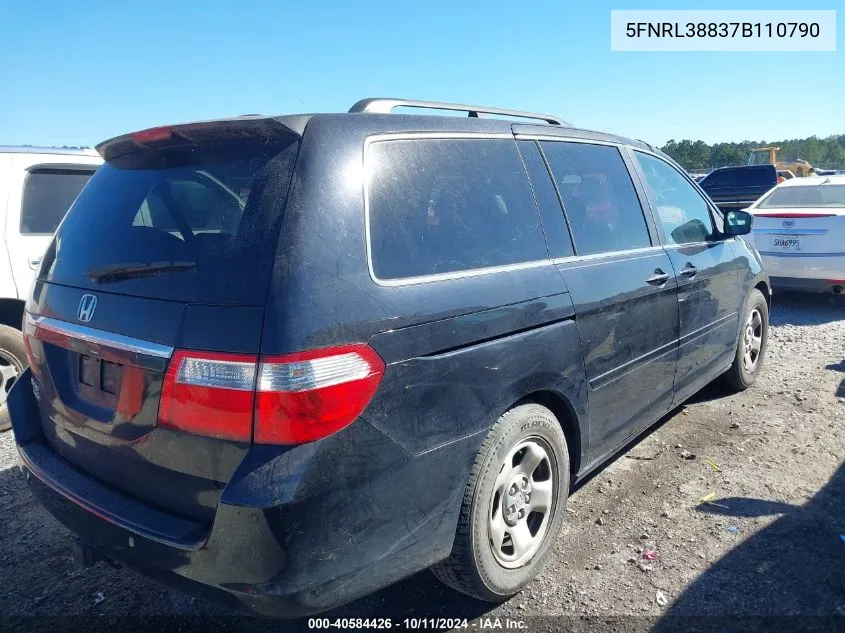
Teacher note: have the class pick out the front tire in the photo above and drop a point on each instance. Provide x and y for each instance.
(12, 363)
(752, 343)
(513, 506)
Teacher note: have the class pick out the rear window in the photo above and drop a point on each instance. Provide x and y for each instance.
(807, 196)
(194, 224)
(47, 196)
(449, 205)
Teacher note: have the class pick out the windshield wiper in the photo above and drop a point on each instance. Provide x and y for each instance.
(136, 269)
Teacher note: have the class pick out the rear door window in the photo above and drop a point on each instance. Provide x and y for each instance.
(448, 205)
(47, 195)
(598, 196)
(196, 225)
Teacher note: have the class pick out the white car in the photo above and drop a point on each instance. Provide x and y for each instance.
(37, 187)
(799, 230)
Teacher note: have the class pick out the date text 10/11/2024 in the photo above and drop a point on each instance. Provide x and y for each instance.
(415, 624)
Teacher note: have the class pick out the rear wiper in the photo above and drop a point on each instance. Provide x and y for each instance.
(136, 269)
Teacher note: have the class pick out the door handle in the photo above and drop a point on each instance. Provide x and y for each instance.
(689, 271)
(34, 263)
(658, 279)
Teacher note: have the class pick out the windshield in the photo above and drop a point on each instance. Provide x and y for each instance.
(807, 196)
(194, 225)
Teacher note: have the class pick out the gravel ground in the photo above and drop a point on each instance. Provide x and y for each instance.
(638, 541)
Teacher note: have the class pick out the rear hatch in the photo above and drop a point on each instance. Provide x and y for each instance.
(803, 219)
(167, 251)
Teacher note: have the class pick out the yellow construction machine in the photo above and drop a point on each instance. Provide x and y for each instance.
(769, 156)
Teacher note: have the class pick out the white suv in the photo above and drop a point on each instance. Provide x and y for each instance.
(37, 187)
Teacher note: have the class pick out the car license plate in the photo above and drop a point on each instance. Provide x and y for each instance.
(786, 243)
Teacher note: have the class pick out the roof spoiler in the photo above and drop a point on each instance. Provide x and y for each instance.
(386, 105)
(187, 134)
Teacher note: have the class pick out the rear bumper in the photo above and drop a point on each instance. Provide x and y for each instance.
(801, 271)
(800, 284)
(298, 530)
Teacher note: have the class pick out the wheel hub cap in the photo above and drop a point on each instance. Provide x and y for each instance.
(752, 340)
(516, 499)
(522, 502)
(9, 372)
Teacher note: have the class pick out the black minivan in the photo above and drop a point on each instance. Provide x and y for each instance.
(283, 362)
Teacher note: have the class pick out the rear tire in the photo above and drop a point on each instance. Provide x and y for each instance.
(751, 345)
(513, 506)
(12, 363)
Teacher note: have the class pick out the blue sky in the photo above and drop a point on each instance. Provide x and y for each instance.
(79, 72)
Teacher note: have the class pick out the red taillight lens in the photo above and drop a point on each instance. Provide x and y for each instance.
(152, 135)
(209, 394)
(307, 396)
(292, 399)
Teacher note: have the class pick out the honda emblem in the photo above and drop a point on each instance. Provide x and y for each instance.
(87, 305)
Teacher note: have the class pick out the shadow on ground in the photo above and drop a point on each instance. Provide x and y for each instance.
(804, 308)
(840, 366)
(794, 566)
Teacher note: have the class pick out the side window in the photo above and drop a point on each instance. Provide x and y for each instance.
(598, 197)
(47, 196)
(447, 205)
(720, 180)
(551, 213)
(683, 212)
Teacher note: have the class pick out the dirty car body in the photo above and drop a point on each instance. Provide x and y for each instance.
(278, 406)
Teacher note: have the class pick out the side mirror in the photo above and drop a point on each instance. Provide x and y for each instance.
(738, 223)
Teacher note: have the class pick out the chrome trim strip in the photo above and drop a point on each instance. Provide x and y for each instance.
(101, 337)
(708, 243)
(564, 138)
(776, 254)
(789, 231)
(598, 258)
(407, 281)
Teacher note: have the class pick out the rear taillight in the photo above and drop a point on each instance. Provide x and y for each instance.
(288, 399)
(209, 394)
(794, 215)
(307, 396)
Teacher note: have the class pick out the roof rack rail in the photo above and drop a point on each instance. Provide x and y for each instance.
(385, 105)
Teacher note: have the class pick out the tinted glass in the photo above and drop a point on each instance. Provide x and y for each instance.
(741, 177)
(807, 196)
(47, 196)
(683, 212)
(599, 198)
(194, 225)
(440, 206)
(551, 213)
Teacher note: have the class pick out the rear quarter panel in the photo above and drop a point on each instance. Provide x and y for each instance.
(459, 352)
